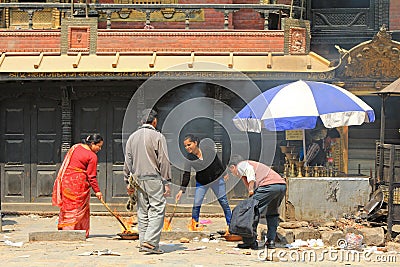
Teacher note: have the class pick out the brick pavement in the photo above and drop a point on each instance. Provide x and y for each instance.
(103, 237)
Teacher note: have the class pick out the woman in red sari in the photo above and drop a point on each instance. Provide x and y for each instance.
(71, 190)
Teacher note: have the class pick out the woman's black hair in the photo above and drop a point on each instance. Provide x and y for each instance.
(192, 138)
(93, 138)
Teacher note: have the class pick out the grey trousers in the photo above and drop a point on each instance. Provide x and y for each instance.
(150, 210)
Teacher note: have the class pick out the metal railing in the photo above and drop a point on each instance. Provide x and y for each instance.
(96, 9)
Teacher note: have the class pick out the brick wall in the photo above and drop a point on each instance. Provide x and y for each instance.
(155, 40)
(394, 15)
(245, 41)
(247, 19)
(30, 41)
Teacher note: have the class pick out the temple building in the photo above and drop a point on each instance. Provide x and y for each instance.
(71, 69)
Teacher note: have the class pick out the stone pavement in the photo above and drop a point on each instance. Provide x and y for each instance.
(197, 252)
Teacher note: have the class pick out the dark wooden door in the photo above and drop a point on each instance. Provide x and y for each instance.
(15, 150)
(29, 148)
(45, 147)
(104, 116)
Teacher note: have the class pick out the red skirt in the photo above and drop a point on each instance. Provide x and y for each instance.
(75, 208)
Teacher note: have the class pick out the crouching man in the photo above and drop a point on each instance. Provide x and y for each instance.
(266, 186)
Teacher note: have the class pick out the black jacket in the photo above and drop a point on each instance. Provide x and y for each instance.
(207, 170)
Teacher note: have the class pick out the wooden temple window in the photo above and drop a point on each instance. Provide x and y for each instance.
(322, 4)
(342, 14)
(41, 19)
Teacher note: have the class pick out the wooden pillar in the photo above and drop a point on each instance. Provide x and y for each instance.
(66, 121)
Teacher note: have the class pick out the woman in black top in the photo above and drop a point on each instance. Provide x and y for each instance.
(209, 174)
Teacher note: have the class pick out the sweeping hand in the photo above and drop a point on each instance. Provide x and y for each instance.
(99, 195)
(167, 190)
(178, 195)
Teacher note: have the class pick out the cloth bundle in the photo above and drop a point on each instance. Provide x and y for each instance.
(133, 184)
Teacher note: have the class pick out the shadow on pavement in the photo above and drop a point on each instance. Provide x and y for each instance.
(8, 222)
(172, 247)
(104, 235)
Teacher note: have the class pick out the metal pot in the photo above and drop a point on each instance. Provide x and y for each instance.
(129, 236)
(232, 237)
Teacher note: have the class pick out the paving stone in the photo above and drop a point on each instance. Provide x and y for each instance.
(291, 225)
(374, 236)
(285, 236)
(306, 233)
(65, 235)
(331, 237)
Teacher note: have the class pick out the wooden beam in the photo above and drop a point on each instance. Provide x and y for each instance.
(78, 60)
(115, 63)
(230, 65)
(3, 56)
(309, 65)
(190, 64)
(37, 65)
(269, 60)
(153, 60)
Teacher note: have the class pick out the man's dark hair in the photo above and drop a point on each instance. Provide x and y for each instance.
(235, 159)
(148, 115)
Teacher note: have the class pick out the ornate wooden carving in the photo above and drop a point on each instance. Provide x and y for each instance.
(297, 43)
(297, 36)
(375, 59)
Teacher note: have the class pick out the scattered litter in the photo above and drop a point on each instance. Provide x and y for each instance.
(196, 239)
(197, 248)
(238, 252)
(205, 240)
(104, 252)
(354, 241)
(184, 240)
(218, 249)
(24, 256)
(14, 244)
(206, 221)
(214, 241)
(315, 243)
(311, 243)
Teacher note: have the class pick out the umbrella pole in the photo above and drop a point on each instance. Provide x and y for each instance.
(381, 140)
(304, 146)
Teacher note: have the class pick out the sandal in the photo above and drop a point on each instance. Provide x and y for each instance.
(149, 249)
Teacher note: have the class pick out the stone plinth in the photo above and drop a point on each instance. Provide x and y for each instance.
(64, 235)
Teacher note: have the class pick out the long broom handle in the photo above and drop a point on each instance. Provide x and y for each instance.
(173, 213)
(118, 218)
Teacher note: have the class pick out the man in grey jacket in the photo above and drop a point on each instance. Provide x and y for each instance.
(146, 159)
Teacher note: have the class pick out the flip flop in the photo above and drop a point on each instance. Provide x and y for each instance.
(149, 249)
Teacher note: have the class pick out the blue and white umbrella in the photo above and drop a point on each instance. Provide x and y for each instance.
(298, 105)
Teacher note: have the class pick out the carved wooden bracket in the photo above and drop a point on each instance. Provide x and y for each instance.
(375, 59)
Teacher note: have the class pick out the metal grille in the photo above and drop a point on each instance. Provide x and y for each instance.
(40, 19)
(340, 19)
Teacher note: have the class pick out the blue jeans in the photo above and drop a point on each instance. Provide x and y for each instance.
(218, 187)
(269, 199)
